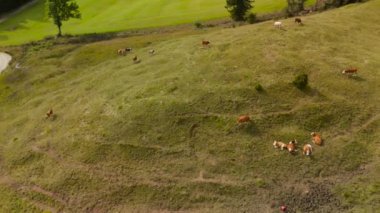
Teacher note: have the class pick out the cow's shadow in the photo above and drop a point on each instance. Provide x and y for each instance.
(357, 78)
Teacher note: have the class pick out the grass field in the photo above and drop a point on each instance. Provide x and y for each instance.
(118, 15)
(161, 135)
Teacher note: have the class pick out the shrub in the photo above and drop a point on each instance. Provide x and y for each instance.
(301, 81)
(251, 18)
(198, 25)
(259, 88)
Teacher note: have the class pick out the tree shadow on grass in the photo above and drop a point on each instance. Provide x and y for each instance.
(249, 128)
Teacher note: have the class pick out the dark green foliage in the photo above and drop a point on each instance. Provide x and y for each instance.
(198, 25)
(239, 9)
(62, 10)
(338, 3)
(301, 81)
(295, 6)
(259, 88)
(251, 18)
(9, 5)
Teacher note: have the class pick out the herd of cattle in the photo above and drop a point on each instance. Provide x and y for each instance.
(277, 24)
(292, 145)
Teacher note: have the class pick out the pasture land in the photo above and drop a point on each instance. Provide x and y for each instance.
(118, 15)
(161, 135)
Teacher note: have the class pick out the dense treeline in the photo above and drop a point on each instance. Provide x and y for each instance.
(9, 5)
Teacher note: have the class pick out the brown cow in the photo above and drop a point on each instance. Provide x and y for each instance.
(206, 43)
(307, 149)
(49, 114)
(350, 71)
(298, 21)
(316, 138)
(243, 119)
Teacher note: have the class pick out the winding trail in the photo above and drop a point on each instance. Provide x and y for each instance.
(4, 61)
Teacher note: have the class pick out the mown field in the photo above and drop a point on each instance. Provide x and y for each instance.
(119, 15)
(161, 135)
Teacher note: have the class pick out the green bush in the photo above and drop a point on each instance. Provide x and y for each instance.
(259, 88)
(251, 18)
(198, 25)
(301, 81)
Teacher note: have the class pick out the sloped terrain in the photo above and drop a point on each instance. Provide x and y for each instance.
(161, 135)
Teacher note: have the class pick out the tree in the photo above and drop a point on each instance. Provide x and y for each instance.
(239, 9)
(62, 10)
(295, 6)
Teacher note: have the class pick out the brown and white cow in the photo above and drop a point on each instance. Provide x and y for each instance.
(316, 139)
(292, 146)
(124, 51)
(279, 144)
(307, 149)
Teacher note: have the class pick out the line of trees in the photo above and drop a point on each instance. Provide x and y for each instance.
(338, 3)
(7, 6)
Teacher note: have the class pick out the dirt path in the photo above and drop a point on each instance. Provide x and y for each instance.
(4, 61)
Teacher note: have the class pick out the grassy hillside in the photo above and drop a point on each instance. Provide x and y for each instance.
(118, 15)
(161, 135)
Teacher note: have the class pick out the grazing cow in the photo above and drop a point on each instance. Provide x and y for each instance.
(136, 60)
(278, 24)
(152, 51)
(298, 21)
(350, 71)
(244, 119)
(49, 114)
(316, 138)
(292, 146)
(206, 43)
(121, 52)
(279, 144)
(124, 51)
(283, 208)
(307, 149)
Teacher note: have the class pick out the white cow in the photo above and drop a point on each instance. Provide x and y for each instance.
(278, 24)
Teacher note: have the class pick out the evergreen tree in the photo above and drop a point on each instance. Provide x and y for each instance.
(239, 9)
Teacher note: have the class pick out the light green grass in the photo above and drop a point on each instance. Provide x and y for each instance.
(121, 139)
(117, 15)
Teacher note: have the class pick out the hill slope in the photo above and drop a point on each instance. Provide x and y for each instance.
(162, 134)
(118, 15)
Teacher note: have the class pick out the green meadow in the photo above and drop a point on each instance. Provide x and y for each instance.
(117, 15)
(161, 135)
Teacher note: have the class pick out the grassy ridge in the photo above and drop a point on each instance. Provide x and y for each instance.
(122, 137)
(107, 16)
